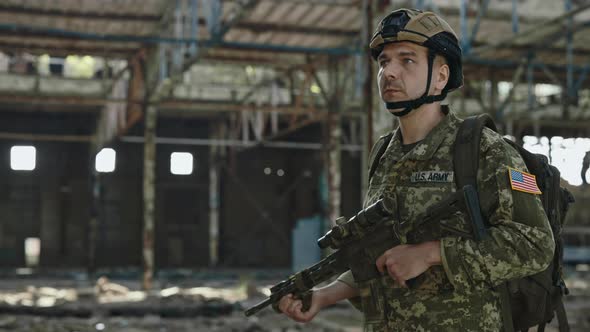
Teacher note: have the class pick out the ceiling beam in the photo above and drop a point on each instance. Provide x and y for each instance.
(65, 50)
(536, 34)
(162, 89)
(45, 138)
(176, 106)
(259, 27)
(66, 14)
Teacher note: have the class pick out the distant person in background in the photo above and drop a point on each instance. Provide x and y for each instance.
(585, 166)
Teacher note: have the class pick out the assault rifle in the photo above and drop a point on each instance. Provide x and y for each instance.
(358, 242)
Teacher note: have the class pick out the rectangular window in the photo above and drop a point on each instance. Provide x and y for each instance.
(105, 160)
(32, 251)
(181, 163)
(23, 158)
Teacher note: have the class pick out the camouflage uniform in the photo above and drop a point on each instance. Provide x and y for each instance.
(457, 295)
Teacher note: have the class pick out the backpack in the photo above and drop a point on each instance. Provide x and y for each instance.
(532, 300)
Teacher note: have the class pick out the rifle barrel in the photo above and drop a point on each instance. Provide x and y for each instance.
(258, 307)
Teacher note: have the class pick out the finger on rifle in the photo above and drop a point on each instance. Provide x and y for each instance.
(396, 276)
(380, 263)
(295, 307)
(285, 302)
(402, 283)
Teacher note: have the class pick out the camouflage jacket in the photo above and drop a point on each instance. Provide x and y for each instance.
(457, 295)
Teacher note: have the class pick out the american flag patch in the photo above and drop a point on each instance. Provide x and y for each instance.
(524, 182)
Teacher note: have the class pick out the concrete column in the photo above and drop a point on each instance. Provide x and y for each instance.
(334, 167)
(334, 136)
(95, 187)
(493, 94)
(367, 100)
(51, 234)
(149, 195)
(215, 151)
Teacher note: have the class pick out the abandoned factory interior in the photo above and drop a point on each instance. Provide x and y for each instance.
(183, 165)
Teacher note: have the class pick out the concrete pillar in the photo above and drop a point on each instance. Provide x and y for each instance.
(94, 218)
(51, 225)
(367, 100)
(215, 154)
(149, 196)
(334, 166)
(334, 136)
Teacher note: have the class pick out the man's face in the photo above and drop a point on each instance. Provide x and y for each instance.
(403, 70)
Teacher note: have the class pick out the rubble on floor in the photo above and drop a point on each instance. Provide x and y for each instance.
(213, 305)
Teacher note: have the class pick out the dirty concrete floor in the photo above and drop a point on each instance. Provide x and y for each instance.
(121, 307)
(233, 322)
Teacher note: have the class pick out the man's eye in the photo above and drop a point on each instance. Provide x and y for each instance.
(408, 60)
(383, 63)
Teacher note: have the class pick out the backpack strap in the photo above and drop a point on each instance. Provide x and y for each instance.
(466, 164)
(466, 149)
(562, 317)
(377, 152)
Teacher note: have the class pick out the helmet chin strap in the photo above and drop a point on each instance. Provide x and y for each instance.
(410, 105)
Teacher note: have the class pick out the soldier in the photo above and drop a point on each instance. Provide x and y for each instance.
(453, 277)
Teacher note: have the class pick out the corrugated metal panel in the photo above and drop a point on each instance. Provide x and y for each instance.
(331, 17)
(137, 7)
(280, 12)
(294, 23)
(261, 11)
(350, 19)
(298, 13)
(318, 12)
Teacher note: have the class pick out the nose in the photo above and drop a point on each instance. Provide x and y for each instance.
(391, 70)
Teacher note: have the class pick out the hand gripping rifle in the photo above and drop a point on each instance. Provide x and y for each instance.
(358, 242)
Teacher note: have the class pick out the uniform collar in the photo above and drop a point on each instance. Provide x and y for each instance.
(424, 150)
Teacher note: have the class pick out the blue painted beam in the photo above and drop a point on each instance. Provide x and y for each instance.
(13, 28)
(163, 63)
(569, 52)
(465, 42)
(470, 59)
(582, 78)
(480, 13)
(178, 33)
(515, 16)
(296, 49)
(214, 20)
(530, 82)
(194, 26)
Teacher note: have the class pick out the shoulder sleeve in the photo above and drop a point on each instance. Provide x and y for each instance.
(519, 241)
(348, 279)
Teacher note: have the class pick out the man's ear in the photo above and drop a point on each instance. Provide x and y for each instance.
(442, 76)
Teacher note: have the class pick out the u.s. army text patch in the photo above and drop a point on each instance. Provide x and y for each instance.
(432, 176)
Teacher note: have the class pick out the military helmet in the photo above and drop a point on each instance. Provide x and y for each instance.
(423, 28)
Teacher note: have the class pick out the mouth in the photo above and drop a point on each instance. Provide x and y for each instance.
(391, 91)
